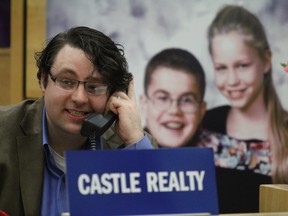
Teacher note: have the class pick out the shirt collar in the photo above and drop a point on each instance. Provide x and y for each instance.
(44, 126)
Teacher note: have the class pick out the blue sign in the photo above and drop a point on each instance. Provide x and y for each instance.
(131, 182)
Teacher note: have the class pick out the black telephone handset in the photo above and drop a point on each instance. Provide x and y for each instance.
(95, 125)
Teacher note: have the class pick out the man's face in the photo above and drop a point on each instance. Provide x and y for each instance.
(66, 110)
(172, 107)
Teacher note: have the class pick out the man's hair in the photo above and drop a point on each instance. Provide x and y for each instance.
(106, 56)
(178, 59)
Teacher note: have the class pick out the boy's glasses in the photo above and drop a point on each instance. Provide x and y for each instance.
(186, 103)
(70, 85)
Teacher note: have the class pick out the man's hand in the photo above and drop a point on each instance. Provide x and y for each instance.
(128, 125)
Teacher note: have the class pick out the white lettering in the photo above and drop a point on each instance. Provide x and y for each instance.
(134, 182)
(82, 180)
(107, 187)
(174, 181)
(198, 176)
(163, 181)
(115, 177)
(151, 179)
(109, 183)
(95, 185)
(125, 188)
(183, 186)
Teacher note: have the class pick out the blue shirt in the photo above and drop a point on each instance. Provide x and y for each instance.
(55, 195)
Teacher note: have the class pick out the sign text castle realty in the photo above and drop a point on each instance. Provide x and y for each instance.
(160, 181)
(134, 182)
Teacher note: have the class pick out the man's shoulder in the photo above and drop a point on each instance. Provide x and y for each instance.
(19, 109)
(23, 114)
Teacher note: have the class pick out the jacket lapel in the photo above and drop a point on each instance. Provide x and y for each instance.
(31, 172)
(31, 159)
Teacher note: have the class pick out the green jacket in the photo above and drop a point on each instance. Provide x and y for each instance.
(22, 157)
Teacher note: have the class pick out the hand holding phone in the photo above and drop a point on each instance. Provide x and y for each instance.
(128, 121)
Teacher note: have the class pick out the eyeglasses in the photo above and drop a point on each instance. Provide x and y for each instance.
(70, 85)
(186, 103)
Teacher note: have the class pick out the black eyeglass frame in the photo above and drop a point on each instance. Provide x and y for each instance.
(57, 81)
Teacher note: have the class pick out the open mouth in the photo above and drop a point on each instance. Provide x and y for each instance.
(173, 125)
(77, 113)
(236, 94)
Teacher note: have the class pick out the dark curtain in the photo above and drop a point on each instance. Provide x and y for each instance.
(5, 23)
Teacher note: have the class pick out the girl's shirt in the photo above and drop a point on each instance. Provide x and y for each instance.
(241, 165)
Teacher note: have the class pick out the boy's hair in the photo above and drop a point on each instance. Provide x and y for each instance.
(178, 59)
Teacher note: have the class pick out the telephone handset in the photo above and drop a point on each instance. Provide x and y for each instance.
(95, 125)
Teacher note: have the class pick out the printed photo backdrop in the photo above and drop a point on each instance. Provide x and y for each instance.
(146, 27)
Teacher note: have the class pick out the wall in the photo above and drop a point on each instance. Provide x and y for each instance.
(4, 50)
(17, 64)
(4, 75)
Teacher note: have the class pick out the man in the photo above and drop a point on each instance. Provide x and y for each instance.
(173, 104)
(81, 71)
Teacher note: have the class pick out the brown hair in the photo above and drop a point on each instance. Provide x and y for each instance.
(179, 59)
(106, 56)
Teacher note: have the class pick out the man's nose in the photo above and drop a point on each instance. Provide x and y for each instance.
(80, 94)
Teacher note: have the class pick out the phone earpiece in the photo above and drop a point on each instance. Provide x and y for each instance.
(97, 124)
